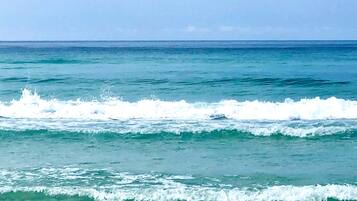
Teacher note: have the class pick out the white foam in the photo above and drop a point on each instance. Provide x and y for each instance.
(302, 129)
(162, 193)
(31, 105)
(304, 118)
(117, 186)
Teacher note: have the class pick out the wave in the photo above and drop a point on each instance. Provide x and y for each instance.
(259, 81)
(40, 196)
(31, 105)
(291, 193)
(206, 129)
(48, 61)
(70, 183)
(303, 118)
(265, 81)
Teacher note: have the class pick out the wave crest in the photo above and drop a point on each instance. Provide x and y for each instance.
(31, 105)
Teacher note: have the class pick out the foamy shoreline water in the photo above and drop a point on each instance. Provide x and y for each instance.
(119, 186)
(291, 193)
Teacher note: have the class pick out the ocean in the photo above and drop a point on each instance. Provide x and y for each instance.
(178, 120)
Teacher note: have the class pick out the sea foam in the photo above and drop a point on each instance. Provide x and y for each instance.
(289, 193)
(31, 105)
(118, 186)
(303, 118)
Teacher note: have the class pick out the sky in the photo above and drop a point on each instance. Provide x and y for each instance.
(178, 19)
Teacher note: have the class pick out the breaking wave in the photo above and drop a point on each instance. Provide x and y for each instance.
(31, 105)
(304, 118)
(70, 183)
(291, 193)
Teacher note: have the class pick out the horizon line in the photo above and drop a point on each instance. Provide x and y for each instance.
(181, 40)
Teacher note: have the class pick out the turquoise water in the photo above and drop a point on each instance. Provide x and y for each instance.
(178, 120)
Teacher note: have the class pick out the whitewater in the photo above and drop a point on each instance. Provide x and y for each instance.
(31, 105)
(306, 117)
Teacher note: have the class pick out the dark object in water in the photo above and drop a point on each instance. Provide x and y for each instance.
(218, 117)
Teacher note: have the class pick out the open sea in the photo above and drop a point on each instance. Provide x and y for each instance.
(178, 120)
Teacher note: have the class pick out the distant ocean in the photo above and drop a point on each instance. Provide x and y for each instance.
(178, 120)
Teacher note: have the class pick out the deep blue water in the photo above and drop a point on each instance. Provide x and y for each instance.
(178, 120)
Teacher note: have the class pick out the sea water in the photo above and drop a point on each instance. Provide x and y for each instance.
(178, 120)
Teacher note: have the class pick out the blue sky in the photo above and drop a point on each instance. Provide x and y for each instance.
(177, 19)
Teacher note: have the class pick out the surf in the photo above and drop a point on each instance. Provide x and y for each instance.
(301, 118)
(293, 193)
(31, 105)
